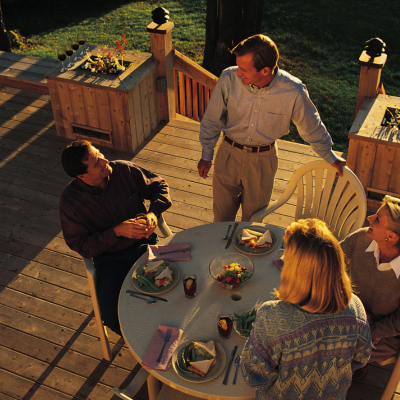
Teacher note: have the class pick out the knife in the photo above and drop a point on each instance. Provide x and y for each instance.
(225, 382)
(175, 251)
(145, 294)
(233, 232)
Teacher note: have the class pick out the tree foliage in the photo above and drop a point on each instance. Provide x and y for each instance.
(228, 22)
(4, 41)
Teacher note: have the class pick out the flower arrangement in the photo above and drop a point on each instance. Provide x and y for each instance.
(105, 62)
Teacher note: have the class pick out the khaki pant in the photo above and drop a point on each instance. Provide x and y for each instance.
(242, 178)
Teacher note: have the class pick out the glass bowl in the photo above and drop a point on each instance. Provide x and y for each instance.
(243, 330)
(231, 270)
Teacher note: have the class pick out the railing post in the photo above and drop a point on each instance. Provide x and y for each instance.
(161, 48)
(370, 77)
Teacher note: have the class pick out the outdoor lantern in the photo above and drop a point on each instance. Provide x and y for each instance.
(160, 15)
(375, 47)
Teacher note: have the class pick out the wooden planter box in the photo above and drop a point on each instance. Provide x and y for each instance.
(109, 110)
(374, 150)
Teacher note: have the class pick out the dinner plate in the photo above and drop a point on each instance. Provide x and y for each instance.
(260, 250)
(215, 370)
(148, 290)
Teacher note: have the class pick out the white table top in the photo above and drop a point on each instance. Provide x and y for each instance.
(198, 317)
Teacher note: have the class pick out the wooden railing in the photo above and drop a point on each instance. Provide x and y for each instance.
(193, 86)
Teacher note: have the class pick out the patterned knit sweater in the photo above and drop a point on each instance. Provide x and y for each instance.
(293, 354)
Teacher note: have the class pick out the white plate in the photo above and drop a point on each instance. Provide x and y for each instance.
(260, 250)
(148, 290)
(215, 370)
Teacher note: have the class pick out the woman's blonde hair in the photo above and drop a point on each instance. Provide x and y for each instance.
(393, 206)
(314, 275)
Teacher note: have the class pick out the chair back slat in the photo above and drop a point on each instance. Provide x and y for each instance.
(339, 201)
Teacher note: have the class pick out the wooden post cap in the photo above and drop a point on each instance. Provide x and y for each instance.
(161, 29)
(368, 61)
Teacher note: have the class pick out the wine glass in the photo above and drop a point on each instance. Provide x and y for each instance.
(62, 56)
(75, 47)
(81, 40)
(69, 53)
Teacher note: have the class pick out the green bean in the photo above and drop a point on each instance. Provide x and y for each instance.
(147, 282)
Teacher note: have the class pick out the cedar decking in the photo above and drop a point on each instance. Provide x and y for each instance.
(49, 347)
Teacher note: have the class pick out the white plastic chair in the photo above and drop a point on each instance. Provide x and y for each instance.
(394, 379)
(340, 202)
(153, 386)
(91, 274)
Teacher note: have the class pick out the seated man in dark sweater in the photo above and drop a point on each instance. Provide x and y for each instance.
(374, 266)
(97, 211)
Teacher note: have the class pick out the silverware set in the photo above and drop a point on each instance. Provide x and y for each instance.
(232, 235)
(150, 301)
(167, 338)
(225, 381)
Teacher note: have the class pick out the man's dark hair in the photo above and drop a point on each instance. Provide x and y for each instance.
(264, 50)
(72, 157)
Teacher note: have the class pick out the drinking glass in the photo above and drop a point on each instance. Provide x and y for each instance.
(225, 324)
(189, 285)
(81, 41)
(75, 47)
(69, 53)
(62, 56)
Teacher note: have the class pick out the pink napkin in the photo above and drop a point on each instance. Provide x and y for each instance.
(279, 262)
(153, 252)
(150, 358)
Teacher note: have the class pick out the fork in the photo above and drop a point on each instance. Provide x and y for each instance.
(226, 237)
(166, 339)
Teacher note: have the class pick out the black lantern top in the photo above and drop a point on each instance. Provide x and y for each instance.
(160, 15)
(375, 47)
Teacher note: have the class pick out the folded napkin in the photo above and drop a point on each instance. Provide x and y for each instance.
(150, 358)
(279, 262)
(153, 252)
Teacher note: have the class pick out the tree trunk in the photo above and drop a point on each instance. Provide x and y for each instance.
(4, 42)
(227, 23)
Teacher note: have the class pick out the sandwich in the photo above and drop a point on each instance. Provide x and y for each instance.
(206, 350)
(265, 240)
(255, 239)
(164, 278)
(201, 367)
(197, 358)
(246, 235)
(153, 268)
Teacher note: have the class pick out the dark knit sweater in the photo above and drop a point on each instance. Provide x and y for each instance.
(378, 290)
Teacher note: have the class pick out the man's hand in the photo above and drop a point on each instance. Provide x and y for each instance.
(203, 167)
(135, 230)
(339, 164)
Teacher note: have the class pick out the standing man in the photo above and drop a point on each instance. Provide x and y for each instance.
(253, 104)
(97, 211)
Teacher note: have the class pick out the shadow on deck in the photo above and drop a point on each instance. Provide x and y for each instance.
(49, 348)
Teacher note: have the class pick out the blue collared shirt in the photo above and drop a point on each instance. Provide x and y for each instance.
(255, 116)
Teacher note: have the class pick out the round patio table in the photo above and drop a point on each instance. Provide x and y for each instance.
(197, 317)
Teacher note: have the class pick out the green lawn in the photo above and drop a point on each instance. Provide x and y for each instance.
(319, 41)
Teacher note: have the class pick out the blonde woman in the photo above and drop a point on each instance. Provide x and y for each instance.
(374, 266)
(306, 344)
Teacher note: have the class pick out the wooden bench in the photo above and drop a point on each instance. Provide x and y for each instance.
(25, 72)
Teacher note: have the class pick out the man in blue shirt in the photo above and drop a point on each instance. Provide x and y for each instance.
(253, 104)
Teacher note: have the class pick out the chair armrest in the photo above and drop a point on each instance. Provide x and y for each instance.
(164, 228)
(89, 267)
(131, 390)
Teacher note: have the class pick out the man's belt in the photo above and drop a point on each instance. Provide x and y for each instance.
(250, 149)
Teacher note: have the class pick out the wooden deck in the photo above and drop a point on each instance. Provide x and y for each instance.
(49, 347)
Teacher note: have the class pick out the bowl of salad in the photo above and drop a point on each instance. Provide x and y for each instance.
(231, 270)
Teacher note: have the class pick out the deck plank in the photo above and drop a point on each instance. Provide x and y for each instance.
(49, 345)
